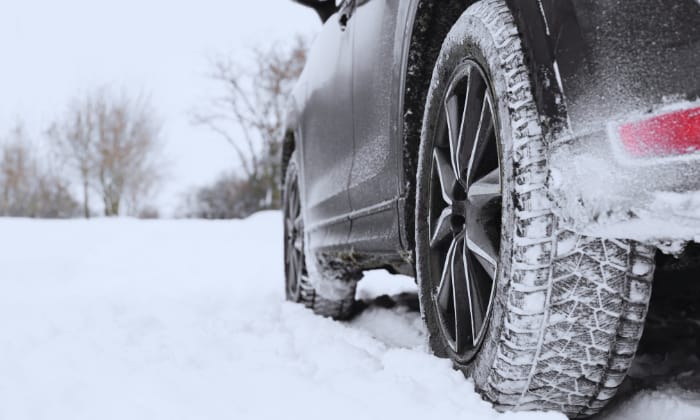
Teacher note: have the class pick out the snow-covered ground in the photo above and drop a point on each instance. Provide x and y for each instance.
(126, 319)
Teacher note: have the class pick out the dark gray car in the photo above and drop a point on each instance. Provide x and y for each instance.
(524, 160)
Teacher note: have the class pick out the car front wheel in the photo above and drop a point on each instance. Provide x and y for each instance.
(298, 287)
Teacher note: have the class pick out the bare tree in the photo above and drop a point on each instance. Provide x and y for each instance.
(126, 165)
(16, 173)
(249, 114)
(112, 144)
(75, 141)
(231, 196)
(28, 188)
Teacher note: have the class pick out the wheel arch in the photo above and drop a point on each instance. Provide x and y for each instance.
(432, 20)
(289, 139)
(288, 147)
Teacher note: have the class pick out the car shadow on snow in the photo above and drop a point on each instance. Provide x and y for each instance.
(406, 300)
(392, 319)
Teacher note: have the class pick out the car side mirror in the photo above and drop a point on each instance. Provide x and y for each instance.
(324, 8)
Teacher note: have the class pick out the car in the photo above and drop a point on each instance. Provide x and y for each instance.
(525, 160)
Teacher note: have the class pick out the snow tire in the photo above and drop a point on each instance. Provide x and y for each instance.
(568, 310)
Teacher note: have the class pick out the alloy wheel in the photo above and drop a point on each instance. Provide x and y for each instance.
(465, 210)
(294, 242)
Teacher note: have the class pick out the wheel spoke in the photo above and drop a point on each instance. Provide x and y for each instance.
(483, 220)
(453, 297)
(291, 265)
(471, 114)
(485, 191)
(482, 142)
(453, 117)
(444, 291)
(478, 297)
(446, 177)
(288, 252)
(460, 296)
(293, 205)
(296, 266)
(441, 228)
(484, 252)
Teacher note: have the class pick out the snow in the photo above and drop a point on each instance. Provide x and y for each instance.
(127, 319)
(675, 214)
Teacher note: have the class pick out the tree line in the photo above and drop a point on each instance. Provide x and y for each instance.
(107, 144)
(105, 151)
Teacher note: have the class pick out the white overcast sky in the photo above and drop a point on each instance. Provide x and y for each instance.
(54, 50)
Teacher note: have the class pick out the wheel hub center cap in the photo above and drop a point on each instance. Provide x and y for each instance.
(458, 218)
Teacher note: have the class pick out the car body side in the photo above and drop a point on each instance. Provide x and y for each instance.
(356, 114)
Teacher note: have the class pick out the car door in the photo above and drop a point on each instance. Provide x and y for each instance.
(377, 65)
(326, 128)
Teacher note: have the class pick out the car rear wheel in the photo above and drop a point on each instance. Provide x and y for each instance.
(298, 288)
(541, 317)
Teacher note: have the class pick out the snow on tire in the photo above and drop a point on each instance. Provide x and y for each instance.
(566, 311)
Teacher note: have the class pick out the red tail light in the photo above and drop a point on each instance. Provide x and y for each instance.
(672, 134)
